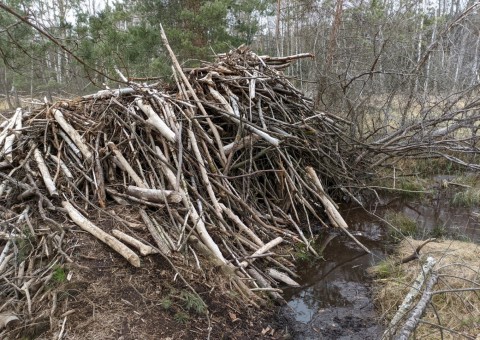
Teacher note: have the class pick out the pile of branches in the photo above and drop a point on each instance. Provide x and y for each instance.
(218, 168)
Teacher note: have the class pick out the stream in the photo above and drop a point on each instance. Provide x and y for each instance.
(334, 300)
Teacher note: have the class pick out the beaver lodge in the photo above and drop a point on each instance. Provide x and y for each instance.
(227, 168)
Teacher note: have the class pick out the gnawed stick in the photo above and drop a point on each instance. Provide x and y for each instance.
(155, 120)
(263, 249)
(9, 125)
(238, 222)
(263, 283)
(334, 216)
(195, 217)
(154, 195)
(8, 147)
(88, 226)
(416, 253)
(161, 242)
(63, 166)
(240, 144)
(98, 170)
(279, 276)
(47, 178)
(143, 248)
(178, 68)
(124, 163)
(74, 135)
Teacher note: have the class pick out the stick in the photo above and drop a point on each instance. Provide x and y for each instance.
(263, 249)
(409, 298)
(111, 241)
(124, 163)
(335, 218)
(47, 179)
(282, 277)
(418, 311)
(142, 248)
(154, 195)
(155, 120)
(74, 135)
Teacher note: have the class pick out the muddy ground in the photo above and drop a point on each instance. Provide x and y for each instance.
(106, 298)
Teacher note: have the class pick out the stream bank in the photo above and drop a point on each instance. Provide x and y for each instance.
(335, 297)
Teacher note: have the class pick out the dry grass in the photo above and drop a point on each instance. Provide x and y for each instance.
(458, 268)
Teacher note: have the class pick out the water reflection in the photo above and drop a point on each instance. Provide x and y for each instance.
(335, 282)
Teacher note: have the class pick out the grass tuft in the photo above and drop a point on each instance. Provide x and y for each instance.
(468, 198)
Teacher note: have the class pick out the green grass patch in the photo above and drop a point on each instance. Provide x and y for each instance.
(181, 317)
(387, 269)
(404, 225)
(467, 198)
(193, 302)
(59, 274)
(166, 303)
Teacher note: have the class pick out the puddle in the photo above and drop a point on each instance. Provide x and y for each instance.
(334, 300)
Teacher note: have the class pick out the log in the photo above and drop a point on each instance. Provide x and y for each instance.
(409, 298)
(154, 195)
(111, 241)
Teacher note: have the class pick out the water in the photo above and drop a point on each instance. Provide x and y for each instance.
(334, 300)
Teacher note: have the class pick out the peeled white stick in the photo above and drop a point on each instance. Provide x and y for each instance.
(8, 147)
(241, 225)
(155, 120)
(142, 248)
(154, 195)
(263, 249)
(74, 135)
(88, 226)
(63, 166)
(126, 165)
(47, 179)
(236, 116)
(282, 277)
(333, 215)
(194, 216)
(9, 125)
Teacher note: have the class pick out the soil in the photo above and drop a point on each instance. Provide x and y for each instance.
(106, 298)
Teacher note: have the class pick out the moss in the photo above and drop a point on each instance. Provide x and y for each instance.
(387, 269)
